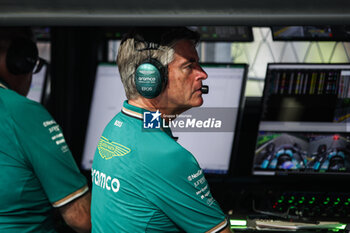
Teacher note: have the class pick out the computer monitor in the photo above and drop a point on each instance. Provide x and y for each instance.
(211, 147)
(37, 87)
(225, 33)
(304, 127)
(311, 33)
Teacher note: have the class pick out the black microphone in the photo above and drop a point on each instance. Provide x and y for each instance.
(205, 89)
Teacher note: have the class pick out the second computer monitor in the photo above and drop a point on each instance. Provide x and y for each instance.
(212, 146)
(304, 127)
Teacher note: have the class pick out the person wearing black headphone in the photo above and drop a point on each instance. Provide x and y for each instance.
(142, 179)
(37, 169)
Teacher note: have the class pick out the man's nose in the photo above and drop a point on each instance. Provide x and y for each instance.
(201, 73)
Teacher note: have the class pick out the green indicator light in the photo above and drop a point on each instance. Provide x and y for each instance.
(338, 199)
(325, 202)
(311, 202)
(280, 201)
(313, 198)
(327, 198)
(236, 222)
(341, 227)
(238, 227)
(300, 202)
(292, 197)
(215, 35)
(290, 201)
(302, 198)
(346, 203)
(348, 199)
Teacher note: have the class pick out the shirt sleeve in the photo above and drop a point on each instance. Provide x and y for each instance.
(46, 151)
(181, 191)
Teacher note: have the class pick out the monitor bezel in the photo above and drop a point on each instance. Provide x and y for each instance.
(44, 94)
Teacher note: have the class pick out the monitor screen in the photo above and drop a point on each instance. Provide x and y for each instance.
(304, 127)
(211, 146)
(225, 33)
(37, 87)
(311, 33)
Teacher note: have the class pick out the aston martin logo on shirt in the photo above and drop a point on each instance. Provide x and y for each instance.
(108, 149)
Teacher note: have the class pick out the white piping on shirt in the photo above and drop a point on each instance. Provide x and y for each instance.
(3, 86)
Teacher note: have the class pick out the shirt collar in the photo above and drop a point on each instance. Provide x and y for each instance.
(133, 111)
(3, 84)
(136, 112)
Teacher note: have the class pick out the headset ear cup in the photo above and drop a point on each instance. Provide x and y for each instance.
(150, 78)
(22, 56)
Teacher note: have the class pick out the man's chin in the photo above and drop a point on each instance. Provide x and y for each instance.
(198, 103)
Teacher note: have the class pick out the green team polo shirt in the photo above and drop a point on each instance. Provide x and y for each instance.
(144, 181)
(37, 169)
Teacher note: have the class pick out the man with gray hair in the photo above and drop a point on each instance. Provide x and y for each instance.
(143, 180)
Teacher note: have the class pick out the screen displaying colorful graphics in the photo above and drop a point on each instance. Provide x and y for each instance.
(212, 150)
(304, 126)
(302, 152)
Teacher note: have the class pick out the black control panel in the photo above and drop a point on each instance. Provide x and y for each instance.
(307, 206)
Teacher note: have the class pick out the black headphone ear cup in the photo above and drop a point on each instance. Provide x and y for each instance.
(22, 56)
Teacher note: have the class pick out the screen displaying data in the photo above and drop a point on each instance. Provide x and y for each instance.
(225, 33)
(212, 146)
(304, 127)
